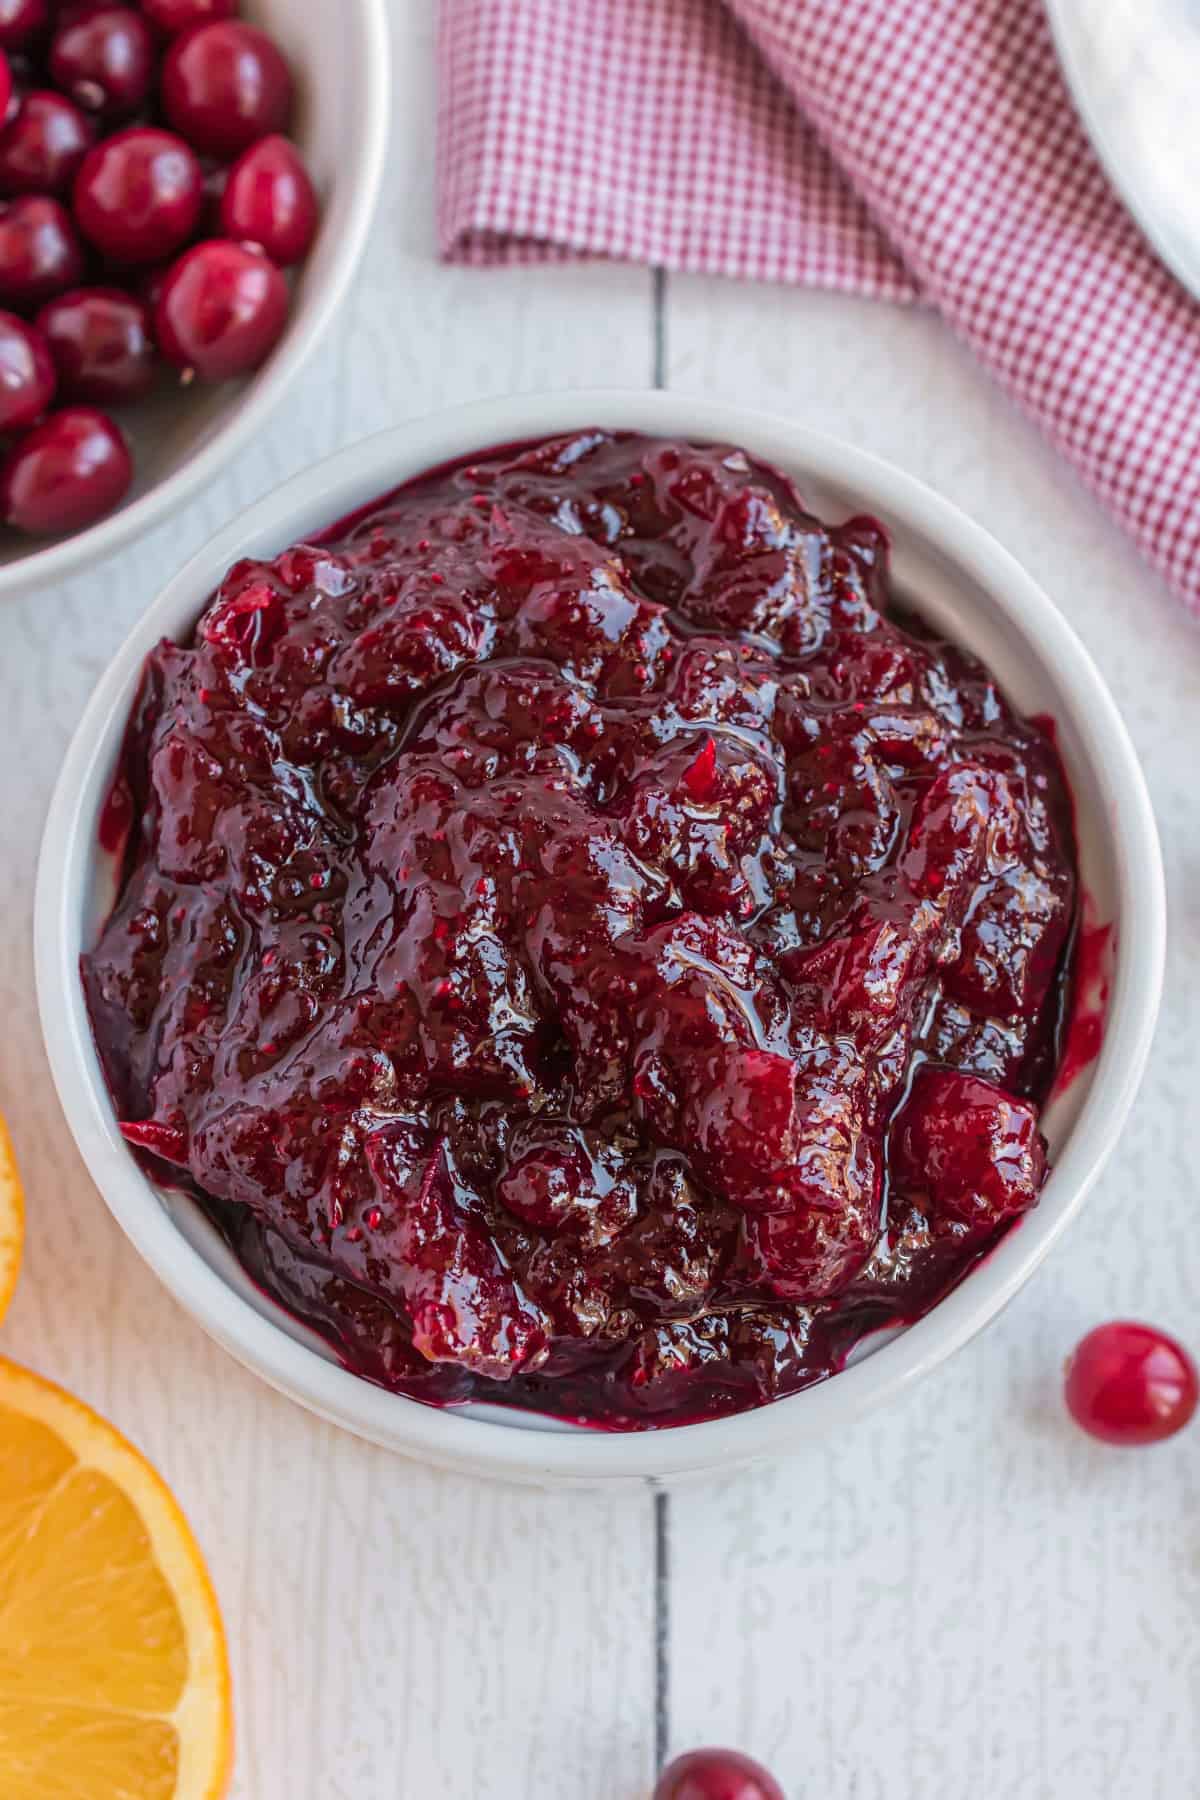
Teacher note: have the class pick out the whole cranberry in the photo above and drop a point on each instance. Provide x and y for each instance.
(43, 144)
(221, 308)
(65, 473)
(716, 1775)
(1131, 1384)
(26, 373)
(20, 20)
(40, 254)
(269, 201)
(224, 86)
(103, 56)
(138, 194)
(100, 340)
(173, 16)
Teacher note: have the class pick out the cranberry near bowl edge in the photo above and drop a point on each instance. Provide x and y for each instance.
(340, 126)
(970, 591)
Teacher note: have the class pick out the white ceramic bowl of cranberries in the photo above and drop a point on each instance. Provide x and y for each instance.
(963, 584)
(185, 192)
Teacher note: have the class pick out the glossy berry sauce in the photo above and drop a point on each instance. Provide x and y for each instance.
(585, 949)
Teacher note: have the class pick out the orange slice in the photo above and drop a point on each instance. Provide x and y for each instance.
(12, 1219)
(114, 1681)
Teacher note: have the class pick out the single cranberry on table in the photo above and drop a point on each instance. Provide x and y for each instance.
(20, 20)
(43, 144)
(1129, 1383)
(27, 378)
(173, 16)
(103, 57)
(270, 201)
(224, 86)
(716, 1775)
(101, 344)
(138, 195)
(66, 473)
(40, 255)
(221, 308)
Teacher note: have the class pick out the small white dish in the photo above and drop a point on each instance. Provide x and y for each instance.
(181, 440)
(1132, 67)
(953, 573)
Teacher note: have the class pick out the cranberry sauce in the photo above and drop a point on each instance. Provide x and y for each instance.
(581, 951)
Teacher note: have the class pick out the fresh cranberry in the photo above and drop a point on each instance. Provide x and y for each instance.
(6, 85)
(103, 57)
(716, 1775)
(138, 194)
(26, 373)
(43, 144)
(224, 86)
(101, 344)
(64, 474)
(1131, 1384)
(40, 254)
(221, 309)
(173, 16)
(269, 200)
(20, 20)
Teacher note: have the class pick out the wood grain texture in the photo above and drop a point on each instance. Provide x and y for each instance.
(395, 1632)
(961, 1597)
(965, 1596)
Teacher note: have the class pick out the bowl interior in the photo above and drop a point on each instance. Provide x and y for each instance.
(172, 428)
(946, 570)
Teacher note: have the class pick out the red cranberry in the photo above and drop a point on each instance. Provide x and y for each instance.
(19, 20)
(1130, 1384)
(26, 373)
(716, 1775)
(173, 16)
(43, 144)
(40, 254)
(221, 309)
(224, 86)
(100, 341)
(269, 201)
(65, 473)
(104, 58)
(138, 194)
(6, 85)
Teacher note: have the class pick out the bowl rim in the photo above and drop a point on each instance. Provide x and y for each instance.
(59, 560)
(521, 1448)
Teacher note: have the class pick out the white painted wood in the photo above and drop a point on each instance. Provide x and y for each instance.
(395, 1632)
(962, 1598)
(966, 1597)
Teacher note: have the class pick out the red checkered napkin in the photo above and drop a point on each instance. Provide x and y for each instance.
(886, 147)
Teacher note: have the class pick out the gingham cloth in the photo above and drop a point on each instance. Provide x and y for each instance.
(887, 147)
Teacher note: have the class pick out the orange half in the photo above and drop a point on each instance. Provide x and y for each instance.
(12, 1219)
(114, 1679)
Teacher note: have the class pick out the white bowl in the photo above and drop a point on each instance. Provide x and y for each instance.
(967, 586)
(181, 440)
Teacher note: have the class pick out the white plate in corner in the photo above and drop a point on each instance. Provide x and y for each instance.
(1133, 68)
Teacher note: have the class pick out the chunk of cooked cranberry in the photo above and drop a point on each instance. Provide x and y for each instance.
(581, 615)
(699, 809)
(841, 803)
(560, 1178)
(973, 1153)
(1012, 940)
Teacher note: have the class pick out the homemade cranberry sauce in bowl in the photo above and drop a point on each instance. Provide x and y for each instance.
(585, 944)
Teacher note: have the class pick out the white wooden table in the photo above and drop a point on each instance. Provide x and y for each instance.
(961, 1597)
